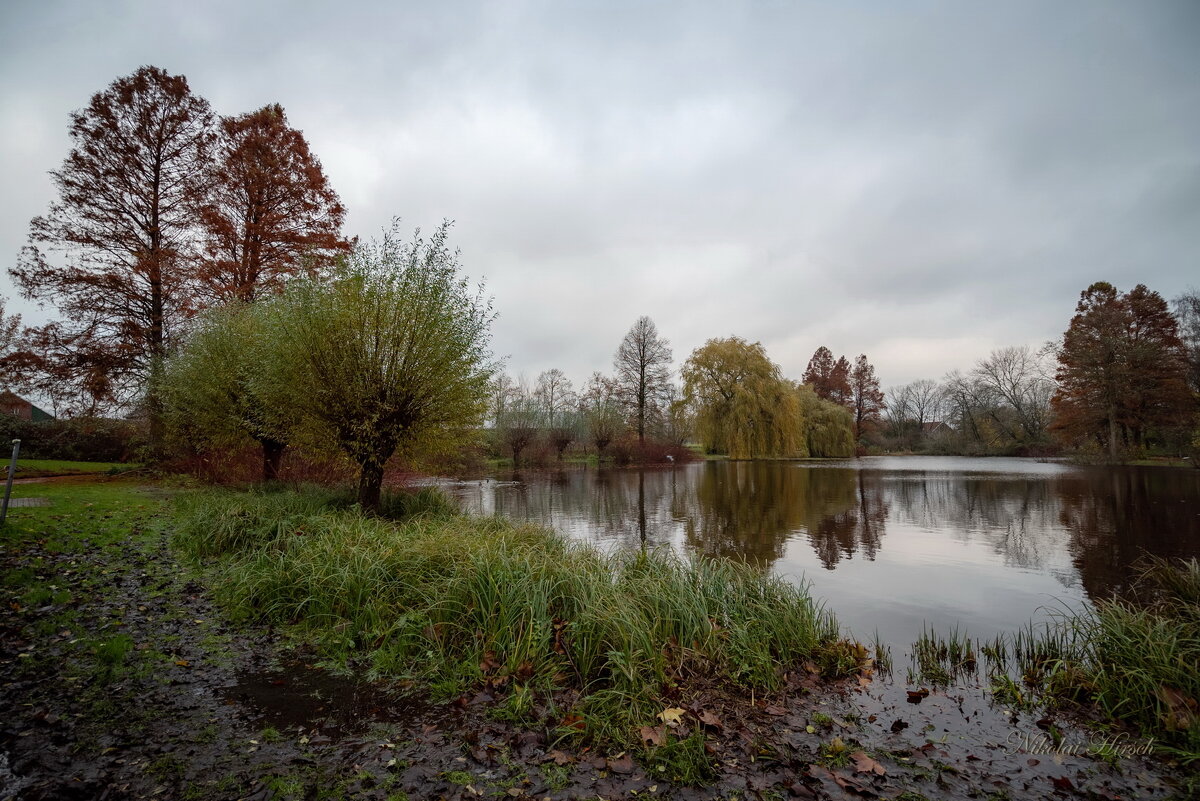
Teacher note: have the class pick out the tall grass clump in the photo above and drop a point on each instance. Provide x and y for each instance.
(1141, 661)
(1136, 658)
(456, 600)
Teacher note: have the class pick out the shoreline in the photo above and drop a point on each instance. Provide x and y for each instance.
(873, 718)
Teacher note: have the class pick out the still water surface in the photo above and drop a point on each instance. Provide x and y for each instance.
(891, 544)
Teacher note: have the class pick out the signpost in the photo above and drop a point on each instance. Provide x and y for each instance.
(12, 469)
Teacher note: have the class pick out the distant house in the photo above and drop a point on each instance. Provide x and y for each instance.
(936, 428)
(11, 403)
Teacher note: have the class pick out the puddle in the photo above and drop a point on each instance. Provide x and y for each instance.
(959, 733)
(10, 783)
(299, 696)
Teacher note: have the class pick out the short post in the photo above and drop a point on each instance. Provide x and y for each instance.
(12, 469)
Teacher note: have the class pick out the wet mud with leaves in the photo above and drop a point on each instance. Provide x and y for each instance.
(121, 680)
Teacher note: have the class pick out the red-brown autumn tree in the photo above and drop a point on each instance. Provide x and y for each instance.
(1122, 370)
(122, 227)
(866, 399)
(829, 379)
(269, 212)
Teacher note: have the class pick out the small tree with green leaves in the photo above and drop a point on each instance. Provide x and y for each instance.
(389, 355)
(210, 388)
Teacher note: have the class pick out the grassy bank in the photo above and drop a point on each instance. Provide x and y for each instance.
(456, 603)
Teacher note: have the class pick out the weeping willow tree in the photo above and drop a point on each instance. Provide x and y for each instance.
(211, 398)
(745, 407)
(829, 426)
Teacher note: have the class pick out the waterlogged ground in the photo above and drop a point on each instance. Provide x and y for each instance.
(119, 679)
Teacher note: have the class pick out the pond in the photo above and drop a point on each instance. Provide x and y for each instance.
(890, 544)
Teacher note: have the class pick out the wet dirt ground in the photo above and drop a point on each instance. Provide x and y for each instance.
(121, 680)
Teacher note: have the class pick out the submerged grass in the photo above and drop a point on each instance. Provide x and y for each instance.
(456, 601)
(1134, 659)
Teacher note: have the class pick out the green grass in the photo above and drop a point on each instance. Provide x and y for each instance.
(683, 761)
(457, 601)
(1131, 659)
(941, 660)
(102, 512)
(37, 468)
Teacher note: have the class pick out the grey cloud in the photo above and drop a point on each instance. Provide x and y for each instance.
(920, 182)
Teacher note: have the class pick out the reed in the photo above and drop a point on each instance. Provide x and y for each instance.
(454, 601)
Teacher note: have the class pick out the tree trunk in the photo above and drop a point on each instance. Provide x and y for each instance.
(272, 454)
(642, 508)
(370, 482)
(154, 408)
(1112, 433)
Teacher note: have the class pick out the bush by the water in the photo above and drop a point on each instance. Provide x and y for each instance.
(456, 600)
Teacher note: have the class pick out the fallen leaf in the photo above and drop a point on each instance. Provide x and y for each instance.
(1182, 710)
(899, 725)
(655, 735)
(845, 782)
(777, 711)
(622, 764)
(865, 764)
(917, 696)
(671, 715)
(1062, 783)
(559, 758)
(710, 719)
(182, 662)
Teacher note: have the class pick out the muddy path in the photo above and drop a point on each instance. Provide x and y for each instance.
(119, 679)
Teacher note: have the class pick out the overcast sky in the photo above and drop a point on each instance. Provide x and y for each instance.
(922, 182)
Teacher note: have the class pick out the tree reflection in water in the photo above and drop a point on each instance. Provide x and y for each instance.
(1086, 527)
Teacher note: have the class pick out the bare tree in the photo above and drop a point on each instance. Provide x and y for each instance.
(964, 399)
(926, 401)
(1187, 313)
(519, 420)
(898, 408)
(559, 407)
(500, 391)
(601, 410)
(1018, 379)
(679, 419)
(642, 366)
